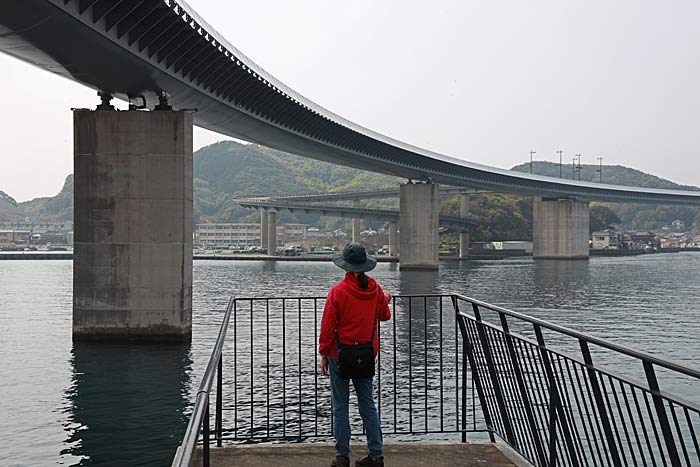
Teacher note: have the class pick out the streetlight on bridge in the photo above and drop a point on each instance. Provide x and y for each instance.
(531, 153)
(560, 166)
(600, 169)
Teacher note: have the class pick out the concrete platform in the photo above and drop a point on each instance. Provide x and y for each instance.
(395, 455)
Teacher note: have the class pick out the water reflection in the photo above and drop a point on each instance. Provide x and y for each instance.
(559, 281)
(417, 282)
(126, 403)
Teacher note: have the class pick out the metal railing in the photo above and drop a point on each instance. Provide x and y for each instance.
(560, 407)
(438, 356)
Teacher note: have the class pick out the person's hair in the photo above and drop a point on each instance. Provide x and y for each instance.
(362, 278)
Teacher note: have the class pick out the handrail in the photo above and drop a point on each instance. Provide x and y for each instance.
(586, 337)
(529, 395)
(183, 457)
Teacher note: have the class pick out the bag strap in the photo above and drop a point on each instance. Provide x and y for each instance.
(376, 316)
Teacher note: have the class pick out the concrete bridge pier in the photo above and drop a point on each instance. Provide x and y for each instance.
(560, 229)
(464, 206)
(132, 267)
(271, 233)
(263, 229)
(419, 216)
(356, 225)
(393, 234)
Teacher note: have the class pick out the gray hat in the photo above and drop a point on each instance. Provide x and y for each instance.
(354, 258)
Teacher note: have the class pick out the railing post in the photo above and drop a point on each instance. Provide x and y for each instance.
(495, 383)
(205, 445)
(554, 399)
(219, 402)
(464, 390)
(599, 402)
(523, 391)
(475, 371)
(661, 413)
(552, 430)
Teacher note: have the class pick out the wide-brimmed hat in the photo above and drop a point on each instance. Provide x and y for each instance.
(354, 258)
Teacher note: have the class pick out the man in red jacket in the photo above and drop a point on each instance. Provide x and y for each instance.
(349, 314)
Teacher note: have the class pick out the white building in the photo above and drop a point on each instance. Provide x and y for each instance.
(241, 235)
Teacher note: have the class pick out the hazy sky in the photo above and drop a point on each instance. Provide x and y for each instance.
(482, 81)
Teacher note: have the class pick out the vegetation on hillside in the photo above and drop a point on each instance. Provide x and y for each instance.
(225, 170)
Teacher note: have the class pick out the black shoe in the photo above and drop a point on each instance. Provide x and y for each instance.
(341, 461)
(370, 462)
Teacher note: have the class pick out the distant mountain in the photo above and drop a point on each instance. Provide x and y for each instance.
(9, 209)
(223, 171)
(612, 175)
(227, 169)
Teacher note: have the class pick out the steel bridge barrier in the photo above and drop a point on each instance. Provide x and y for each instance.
(555, 395)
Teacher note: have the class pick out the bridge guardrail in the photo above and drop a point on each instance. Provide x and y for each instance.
(560, 407)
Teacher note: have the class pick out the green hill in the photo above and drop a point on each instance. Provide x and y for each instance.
(227, 169)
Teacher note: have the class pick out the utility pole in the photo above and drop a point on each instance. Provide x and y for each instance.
(578, 166)
(573, 168)
(531, 154)
(600, 170)
(560, 167)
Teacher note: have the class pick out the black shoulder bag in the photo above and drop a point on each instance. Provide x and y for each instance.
(357, 360)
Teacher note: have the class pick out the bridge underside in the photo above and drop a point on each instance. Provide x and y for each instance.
(140, 49)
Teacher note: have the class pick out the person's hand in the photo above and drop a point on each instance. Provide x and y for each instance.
(388, 297)
(323, 365)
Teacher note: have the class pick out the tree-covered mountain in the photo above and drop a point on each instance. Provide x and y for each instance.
(225, 170)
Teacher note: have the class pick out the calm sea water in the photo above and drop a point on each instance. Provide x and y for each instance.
(90, 404)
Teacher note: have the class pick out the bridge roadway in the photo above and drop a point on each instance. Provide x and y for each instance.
(349, 212)
(358, 195)
(137, 49)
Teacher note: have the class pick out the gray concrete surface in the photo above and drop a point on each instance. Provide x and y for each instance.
(395, 455)
(272, 233)
(419, 217)
(356, 225)
(263, 229)
(393, 239)
(560, 229)
(132, 274)
(464, 207)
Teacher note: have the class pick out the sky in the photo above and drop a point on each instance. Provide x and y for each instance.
(482, 81)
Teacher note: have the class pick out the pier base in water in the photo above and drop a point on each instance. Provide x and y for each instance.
(419, 216)
(560, 229)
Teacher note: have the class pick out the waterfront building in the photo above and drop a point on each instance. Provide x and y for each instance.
(606, 240)
(242, 235)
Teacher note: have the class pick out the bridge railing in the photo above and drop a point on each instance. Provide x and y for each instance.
(540, 387)
(268, 387)
(543, 390)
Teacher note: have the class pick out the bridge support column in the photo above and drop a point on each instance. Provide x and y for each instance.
(393, 234)
(560, 229)
(419, 216)
(272, 233)
(132, 267)
(263, 229)
(356, 225)
(464, 202)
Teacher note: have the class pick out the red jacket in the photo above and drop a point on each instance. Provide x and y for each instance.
(350, 311)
